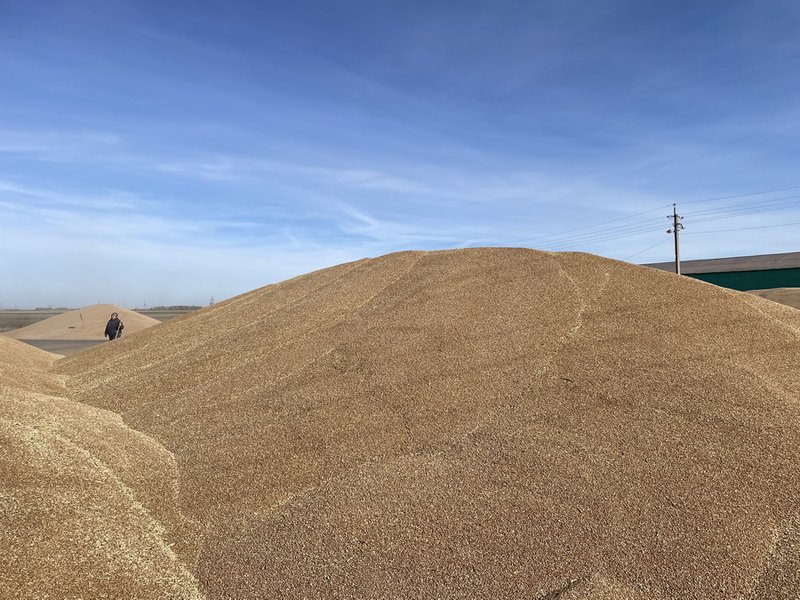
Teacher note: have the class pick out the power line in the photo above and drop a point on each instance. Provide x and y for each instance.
(766, 205)
(598, 232)
(744, 213)
(602, 236)
(646, 249)
(794, 187)
(596, 225)
(641, 227)
(612, 232)
(620, 231)
(742, 228)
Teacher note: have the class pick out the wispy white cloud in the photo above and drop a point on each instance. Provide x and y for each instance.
(237, 168)
(23, 197)
(416, 180)
(220, 169)
(127, 216)
(387, 234)
(87, 249)
(57, 146)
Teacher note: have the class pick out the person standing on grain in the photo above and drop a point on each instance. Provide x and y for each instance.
(114, 327)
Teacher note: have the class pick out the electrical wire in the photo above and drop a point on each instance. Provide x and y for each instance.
(600, 238)
(794, 187)
(601, 234)
(739, 215)
(641, 227)
(646, 249)
(740, 228)
(597, 233)
(745, 204)
(595, 226)
(765, 206)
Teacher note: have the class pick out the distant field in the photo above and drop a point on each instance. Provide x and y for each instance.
(165, 314)
(14, 319)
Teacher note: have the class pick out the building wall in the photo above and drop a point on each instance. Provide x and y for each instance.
(752, 280)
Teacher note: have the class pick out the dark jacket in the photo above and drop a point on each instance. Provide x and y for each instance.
(114, 329)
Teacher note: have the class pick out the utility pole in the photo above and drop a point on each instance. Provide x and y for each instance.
(676, 227)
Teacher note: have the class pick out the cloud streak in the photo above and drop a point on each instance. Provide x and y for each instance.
(56, 146)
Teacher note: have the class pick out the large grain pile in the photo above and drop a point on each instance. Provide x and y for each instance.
(87, 323)
(488, 423)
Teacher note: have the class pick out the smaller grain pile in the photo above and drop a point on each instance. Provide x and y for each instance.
(84, 499)
(483, 423)
(787, 296)
(87, 323)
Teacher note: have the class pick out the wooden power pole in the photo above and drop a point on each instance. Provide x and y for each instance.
(676, 227)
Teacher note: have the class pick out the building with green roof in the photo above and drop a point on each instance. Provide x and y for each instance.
(744, 273)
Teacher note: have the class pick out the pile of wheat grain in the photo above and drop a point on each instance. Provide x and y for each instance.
(495, 423)
(87, 323)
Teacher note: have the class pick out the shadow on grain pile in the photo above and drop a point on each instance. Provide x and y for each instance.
(477, 423)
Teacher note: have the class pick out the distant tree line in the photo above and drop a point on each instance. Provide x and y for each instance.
(175, 307)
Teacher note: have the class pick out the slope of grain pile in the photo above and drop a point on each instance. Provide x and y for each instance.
(85, 501)
(87, 323)
(494, 423)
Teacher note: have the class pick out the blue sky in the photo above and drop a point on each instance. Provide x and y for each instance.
(167, 152)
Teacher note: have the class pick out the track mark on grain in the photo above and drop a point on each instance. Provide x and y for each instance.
(780, 574)
(580, 295)
(338, 320)
(581, 299)
(558, 592)
(314, 290)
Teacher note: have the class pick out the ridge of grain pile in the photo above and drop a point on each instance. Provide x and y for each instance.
(484, 423)
(87, 323)
(85, 501)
